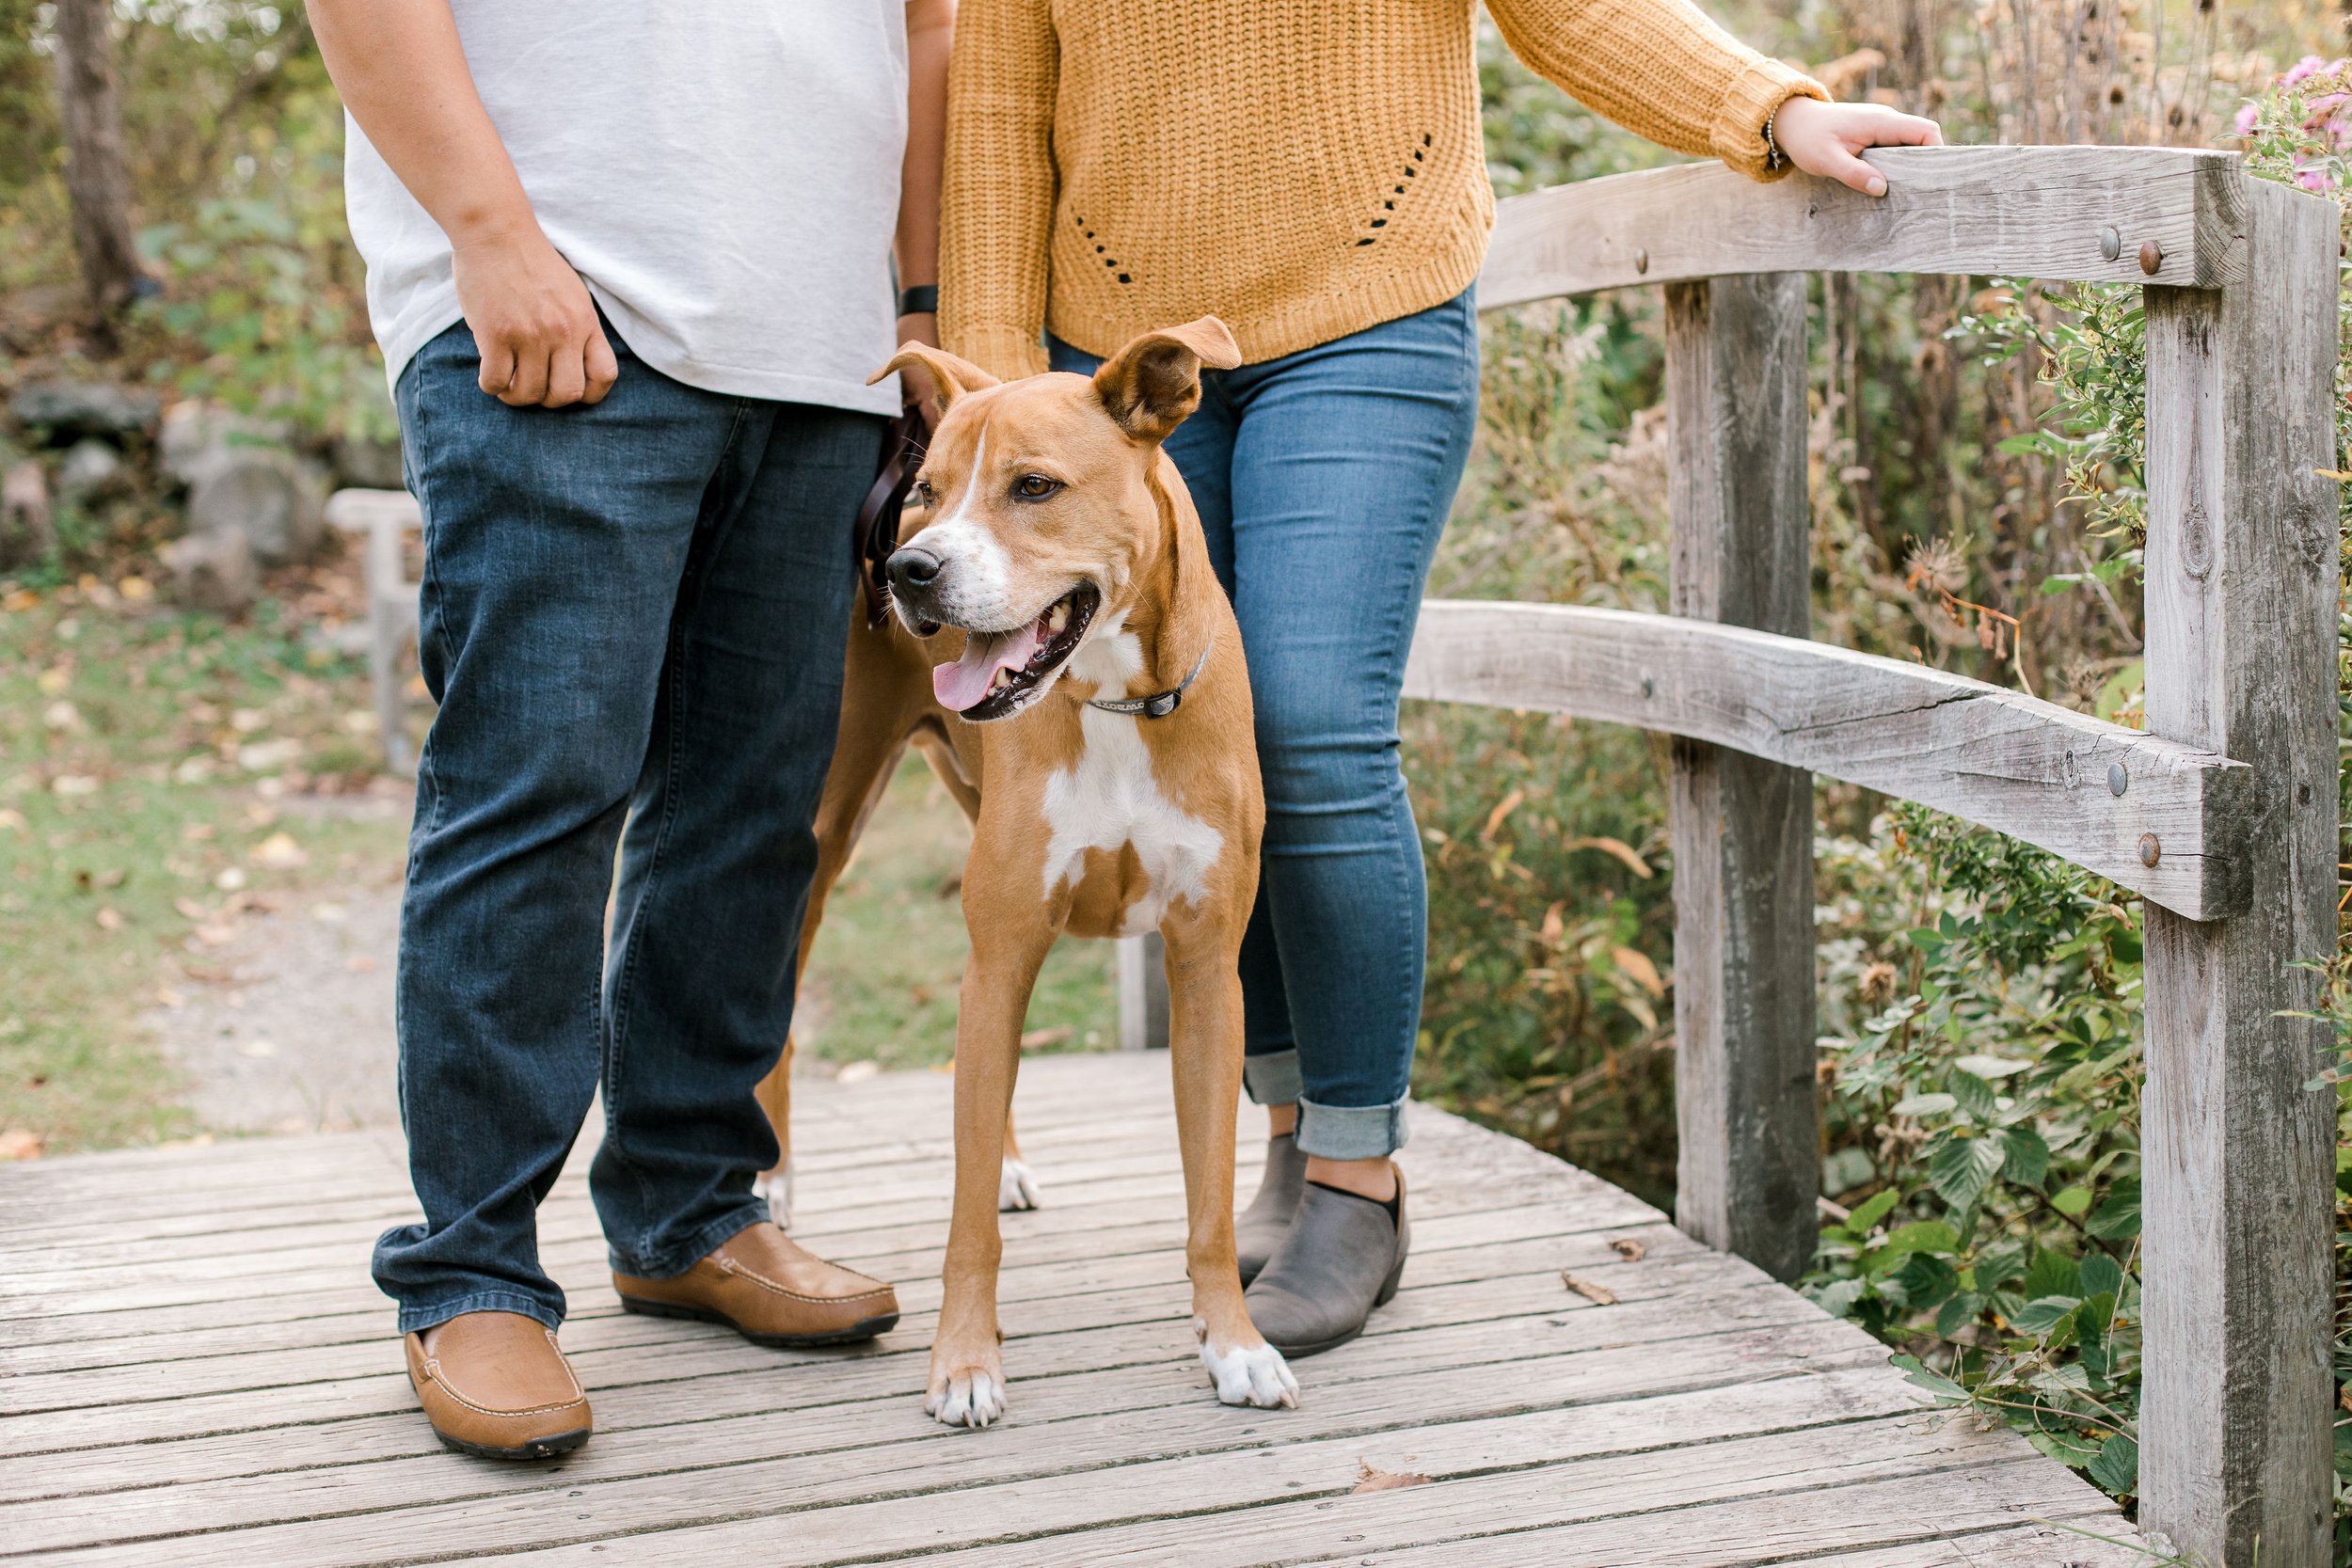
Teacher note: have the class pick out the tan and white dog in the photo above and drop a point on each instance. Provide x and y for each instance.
(1095, 725)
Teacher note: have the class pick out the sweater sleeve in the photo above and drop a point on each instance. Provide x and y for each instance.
(1659, 68)
(997, 205)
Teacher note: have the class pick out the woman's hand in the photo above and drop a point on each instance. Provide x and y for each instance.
(1823, 138)
(532, 321)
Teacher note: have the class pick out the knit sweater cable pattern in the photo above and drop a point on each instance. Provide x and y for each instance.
(1302, 168)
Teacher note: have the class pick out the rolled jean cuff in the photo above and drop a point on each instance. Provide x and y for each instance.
(1272, 1079)
(679, 1258)
(415, 1319)
(1350, 1132)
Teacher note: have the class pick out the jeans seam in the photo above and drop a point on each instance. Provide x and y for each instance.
(616, 1026)
(710, 1238)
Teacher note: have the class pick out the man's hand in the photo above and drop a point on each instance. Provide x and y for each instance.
(532, 321)
(1823, 138)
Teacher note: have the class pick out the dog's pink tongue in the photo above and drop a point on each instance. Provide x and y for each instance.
(963, 684)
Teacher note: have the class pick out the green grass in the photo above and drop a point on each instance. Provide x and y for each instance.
(155, 769)
(883, 977)
(147, 756)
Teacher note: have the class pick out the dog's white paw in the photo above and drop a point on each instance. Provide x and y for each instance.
(973, 1400)
(1258, 1377)
(775, 1189)
(1016, 1187)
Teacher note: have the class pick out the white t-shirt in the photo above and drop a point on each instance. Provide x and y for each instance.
(722, 173)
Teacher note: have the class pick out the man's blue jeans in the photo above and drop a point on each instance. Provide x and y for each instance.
(632, 612)
(1323, 479)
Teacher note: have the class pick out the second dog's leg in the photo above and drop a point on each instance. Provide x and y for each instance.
(967, 1373)
(1205, 1050)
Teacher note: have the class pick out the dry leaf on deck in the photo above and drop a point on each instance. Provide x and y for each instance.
(1599, 1295)
(1037, 1038)
(19, 1143)
(1370, 1480)
(1628, 1248)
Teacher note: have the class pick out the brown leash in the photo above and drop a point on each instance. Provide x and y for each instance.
(876, 532)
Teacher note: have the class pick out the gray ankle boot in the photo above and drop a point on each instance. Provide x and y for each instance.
(1343, 1257)
(1260, 1228)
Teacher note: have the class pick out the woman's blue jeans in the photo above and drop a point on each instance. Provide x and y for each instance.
(631, 614)
(1323, 479)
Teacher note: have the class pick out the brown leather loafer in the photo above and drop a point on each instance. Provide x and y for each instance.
(496, 1383)
(771, 1290)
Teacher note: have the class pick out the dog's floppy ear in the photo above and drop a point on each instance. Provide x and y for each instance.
(1151, 384)
(954, 377)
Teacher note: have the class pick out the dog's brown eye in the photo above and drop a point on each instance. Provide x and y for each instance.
(923, 492)
(1035, 487)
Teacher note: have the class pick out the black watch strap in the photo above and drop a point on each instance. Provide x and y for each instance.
(921, 300)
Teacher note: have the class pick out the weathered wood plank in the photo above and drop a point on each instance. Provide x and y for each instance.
(848, 1453)
(1186, 1509)
(2022, 767)
(1884, 1520)
(1042, 1338)
(1758, 1323)
(2241, 605)
(1742, 825)
(1129, 1288)
(1046, 1264)
(2018, 211)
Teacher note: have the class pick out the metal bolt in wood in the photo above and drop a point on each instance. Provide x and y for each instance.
(2150, 258)
(2117, 779)
(2110, 244)
(2149, 849)
(1641, 261)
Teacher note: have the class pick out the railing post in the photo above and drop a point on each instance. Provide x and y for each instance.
(1742, 828)
(2237, 1151)
(1142, 985)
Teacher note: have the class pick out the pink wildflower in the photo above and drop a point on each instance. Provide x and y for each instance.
(2315, 178)
(2244, 124)
(2302, 70)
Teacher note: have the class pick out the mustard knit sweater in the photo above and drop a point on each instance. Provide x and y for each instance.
(1303, 169)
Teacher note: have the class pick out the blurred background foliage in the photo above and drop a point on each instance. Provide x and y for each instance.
(1974, 484)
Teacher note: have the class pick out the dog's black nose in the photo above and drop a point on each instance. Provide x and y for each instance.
(912, 567)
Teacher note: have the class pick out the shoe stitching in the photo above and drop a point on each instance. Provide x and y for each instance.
(728, 1265)
(433, 1374)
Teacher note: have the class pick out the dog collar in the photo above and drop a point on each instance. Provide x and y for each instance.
(1160, 704)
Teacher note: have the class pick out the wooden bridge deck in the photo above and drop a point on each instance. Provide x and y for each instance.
(194, 1370)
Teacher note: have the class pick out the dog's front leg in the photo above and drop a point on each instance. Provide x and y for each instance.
(1205, 1049)
(967, 1377)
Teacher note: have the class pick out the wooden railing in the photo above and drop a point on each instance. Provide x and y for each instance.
(2222, 814)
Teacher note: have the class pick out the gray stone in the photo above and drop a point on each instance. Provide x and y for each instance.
(198, 437)
(68, 409)
(89, 468)
(275, 499)
(213, 571)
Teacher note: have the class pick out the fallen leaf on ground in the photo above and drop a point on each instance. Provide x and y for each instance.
(19, 1143)
(279, 852)
(11, 819)
(1628, 1248)
(1037, 1038)
(1370, 1480)
(261, 1049)
(1599, 1295)
(110, 918)
(857, 1072)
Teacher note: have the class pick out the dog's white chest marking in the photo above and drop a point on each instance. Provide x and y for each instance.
(1108, 798)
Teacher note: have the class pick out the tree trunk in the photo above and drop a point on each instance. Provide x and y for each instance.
(94, 174)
